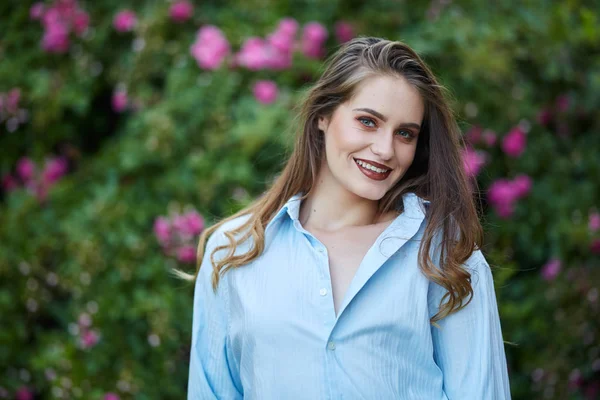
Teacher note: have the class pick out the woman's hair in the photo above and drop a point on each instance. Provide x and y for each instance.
(436, 173)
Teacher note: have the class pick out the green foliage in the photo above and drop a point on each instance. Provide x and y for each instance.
(199, 139)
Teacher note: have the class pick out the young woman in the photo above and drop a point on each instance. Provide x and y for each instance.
(358, 274)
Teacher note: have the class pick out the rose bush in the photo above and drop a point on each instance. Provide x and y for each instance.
(126, 129)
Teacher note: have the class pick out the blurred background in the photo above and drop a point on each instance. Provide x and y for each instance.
(127, 127)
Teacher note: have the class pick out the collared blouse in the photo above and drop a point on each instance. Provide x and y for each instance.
(271, 331)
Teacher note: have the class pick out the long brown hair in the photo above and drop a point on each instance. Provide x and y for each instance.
(436, 173)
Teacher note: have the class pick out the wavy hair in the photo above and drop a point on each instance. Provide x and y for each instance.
(436, 173)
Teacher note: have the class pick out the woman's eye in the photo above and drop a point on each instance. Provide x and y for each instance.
(368, 120)
(409, 134)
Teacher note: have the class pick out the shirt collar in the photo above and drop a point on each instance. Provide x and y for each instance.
(414, 207)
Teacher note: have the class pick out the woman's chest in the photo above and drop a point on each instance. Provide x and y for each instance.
(346, 251)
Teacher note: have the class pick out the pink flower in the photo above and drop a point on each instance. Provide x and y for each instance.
(253, 54)
(473, 160)
(522, 185)
(343, 31)
(594, 222)
(125, 21)
(280, 43)
(514, 142)
(314, 35)
(562, 102)
(595, 246)
(288, 26)
(575, 379)
(81, 21)
(551, 269)
(162, 230)
(194, 223)
(265, 91)
(56, 39)
(89, 338)
(23, 393)
(489, 137)
(501, 195)
(9, 183)
(25, 169)
(210, 48)
(473, 135)
(181, 11)
(120, 100)
(111, 396)
(84, 320)
(13, 97)
(36, 11)
(186, 254)
(55, 169)
(544, 116)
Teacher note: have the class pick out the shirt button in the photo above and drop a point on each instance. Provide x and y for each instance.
(323, 292)
(321, 250)
(331, 346)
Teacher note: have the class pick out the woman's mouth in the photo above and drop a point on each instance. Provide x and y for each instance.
(371, 171)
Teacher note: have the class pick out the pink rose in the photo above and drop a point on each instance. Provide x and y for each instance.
(186, 254)
(81, 21)
(125, 21)
(181, 11)
(594, 222)
(36, 11)
(23, 393)
(210, 48)
(111, 396)
(551, 269)
(314, 35)
(514, 142)
(56, 39)
(84, 320)
(343, 31)
(473, 161)
(473, 135)
(25, 169)
(562, 103)
(89, 338)
(288, 26)
(9, 183)
(55, 169)
(522, 185)
(544, 116)
(162, 230)
(120, 101)
(194, 223)
(265, 91)
(501, 195)
(253, 54)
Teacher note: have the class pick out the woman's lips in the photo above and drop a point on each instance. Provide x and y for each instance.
(372, 174)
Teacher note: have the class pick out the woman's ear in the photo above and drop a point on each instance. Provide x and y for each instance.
(323, 123)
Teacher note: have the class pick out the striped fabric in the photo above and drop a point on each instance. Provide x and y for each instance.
(271, 332)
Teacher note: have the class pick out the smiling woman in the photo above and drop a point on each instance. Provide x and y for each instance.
(358, 274)
(351, 133)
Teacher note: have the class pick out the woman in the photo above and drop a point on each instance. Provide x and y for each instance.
(358, 274)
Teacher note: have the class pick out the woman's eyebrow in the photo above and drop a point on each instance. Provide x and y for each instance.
(384, 118)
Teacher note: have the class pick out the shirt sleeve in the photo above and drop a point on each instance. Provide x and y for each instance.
(468, 347)
(211, 375)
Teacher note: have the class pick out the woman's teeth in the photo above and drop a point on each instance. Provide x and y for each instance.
(371, 167)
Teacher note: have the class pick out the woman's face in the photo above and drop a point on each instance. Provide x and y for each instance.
(379, 125)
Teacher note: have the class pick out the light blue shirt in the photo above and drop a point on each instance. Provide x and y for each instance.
(271, 331)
